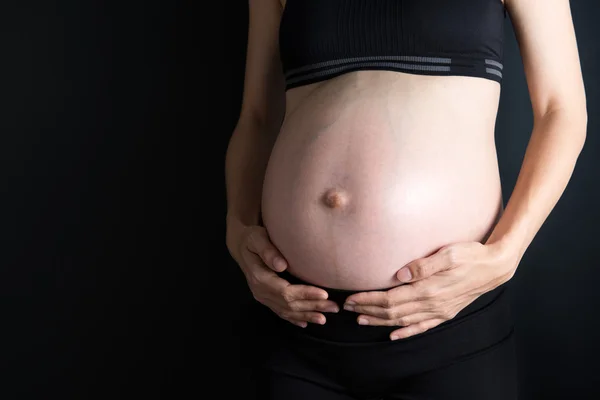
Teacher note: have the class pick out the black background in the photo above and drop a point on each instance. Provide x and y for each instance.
(116, 282)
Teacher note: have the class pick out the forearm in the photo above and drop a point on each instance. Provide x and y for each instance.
(550, 158)
(245, 163)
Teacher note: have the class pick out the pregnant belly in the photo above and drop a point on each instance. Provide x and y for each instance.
(355, 190)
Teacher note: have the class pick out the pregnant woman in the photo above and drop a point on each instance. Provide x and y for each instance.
(364, 200)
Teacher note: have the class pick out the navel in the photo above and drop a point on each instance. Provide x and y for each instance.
(335, 198)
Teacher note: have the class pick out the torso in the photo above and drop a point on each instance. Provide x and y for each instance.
(373, 169)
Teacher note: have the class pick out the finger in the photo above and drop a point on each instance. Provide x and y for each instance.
(283, 293)
(392, 297)
(415, 329)
(299, 319)
(376, 311)
(301, 324)
(314, 305)
(258, 273)
(258, 242)
(422, 268)
(390, 313)
(302, 292)
(298, 316)
(305, 316)
(402, 321)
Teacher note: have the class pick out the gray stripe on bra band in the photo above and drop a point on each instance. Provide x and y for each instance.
(440, 68)
(494, 63)
(438, 60)
(371, 64)
(493, 71)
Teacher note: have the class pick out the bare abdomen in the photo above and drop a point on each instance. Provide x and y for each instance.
(359, 186)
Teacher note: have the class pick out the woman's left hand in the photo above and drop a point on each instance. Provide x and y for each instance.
(438, 287)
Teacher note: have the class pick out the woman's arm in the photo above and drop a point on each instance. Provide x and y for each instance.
(546, 36)
(263, 106)
(442, 284)
(263, 110)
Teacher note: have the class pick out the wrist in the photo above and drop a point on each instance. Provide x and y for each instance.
(233, 230)
(505, 258)
(233, 221)
(508, 241)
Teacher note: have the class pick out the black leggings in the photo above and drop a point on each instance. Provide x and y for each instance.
(471, 357)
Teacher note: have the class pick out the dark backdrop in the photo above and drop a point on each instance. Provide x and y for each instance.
(90, 216)
(112, 141)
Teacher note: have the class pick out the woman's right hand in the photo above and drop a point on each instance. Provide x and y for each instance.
(260, 261)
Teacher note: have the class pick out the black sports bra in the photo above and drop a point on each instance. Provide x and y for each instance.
(322, 39)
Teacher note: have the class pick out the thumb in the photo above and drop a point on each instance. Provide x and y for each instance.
(422, 268)
(258, 242)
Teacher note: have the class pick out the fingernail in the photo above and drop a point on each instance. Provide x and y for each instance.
(395, 337)
(404, 275)
(279, 263)
(332, 309)
(363, 321)
(318, 320)
(348, 307)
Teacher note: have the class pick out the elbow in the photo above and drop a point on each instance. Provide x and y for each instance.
(574, 122)
(580, 122)
(578, 118)
(257, 121)
(584, 121)
(577, 127)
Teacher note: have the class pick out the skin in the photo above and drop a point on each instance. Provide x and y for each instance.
(397, 180)
(441, 283)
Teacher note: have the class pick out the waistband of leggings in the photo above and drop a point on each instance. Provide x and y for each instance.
(337, 295)
(343, 326)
